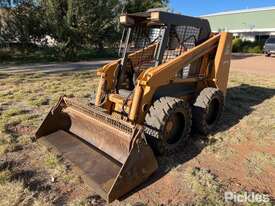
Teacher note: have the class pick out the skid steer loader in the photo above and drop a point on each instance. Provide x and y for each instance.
(172, 74)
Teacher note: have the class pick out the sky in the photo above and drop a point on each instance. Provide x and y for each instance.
(203, 7)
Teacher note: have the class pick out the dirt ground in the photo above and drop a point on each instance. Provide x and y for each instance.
(238, 157)
(257, 64)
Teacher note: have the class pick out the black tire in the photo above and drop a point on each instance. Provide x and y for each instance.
(267, 54)
(207, 110)
(168, 125)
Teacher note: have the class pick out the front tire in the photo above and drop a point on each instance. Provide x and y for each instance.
(207, 110)
(267, 54)
(169, 122)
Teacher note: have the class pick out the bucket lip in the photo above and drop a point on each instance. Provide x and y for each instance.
(97, 113)
(92, 110)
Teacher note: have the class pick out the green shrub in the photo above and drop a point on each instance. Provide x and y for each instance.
(4, 55)
(247, 46)
(256, 49)
(237, 44)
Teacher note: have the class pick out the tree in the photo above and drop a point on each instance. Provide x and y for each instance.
(100, 21)
(82, 22)
(90, 23)
(131, 6)
(72, 24)
(24, 24)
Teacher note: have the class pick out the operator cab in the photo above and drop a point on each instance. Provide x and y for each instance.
(150, 39)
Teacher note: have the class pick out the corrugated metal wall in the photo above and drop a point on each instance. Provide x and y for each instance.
(252, 20)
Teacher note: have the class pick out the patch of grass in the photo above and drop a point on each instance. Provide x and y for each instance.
(4, 148)
(25, 139)
(7, 128)
(5, 176)
(38, 75)
(14, 193)
(69, 177)
(40, 101)
(80, 202)
(41, 202)
(19, 94)
(52, 161)
(94, 200)
(249, 114)
(205, 185)
(5, 95)
(219, 145)
(9, 143)
(57, 168)
(13, 111)
(30, 119)
(257, 162)
(54, 165)
(4, 139)
(14, 147)
(5, 144)
(259, 204)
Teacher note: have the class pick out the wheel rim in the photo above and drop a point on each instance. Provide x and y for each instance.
(174, 128)
(213, 111)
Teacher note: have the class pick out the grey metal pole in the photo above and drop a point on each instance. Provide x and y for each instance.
(163, 45)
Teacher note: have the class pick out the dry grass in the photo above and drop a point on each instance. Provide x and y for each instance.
(249, 113)
(93, 200)
(258, 161)
(205, 185)
(14, 194)
(25, 99)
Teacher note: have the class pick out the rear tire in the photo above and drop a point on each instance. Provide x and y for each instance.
(207, 110)
(267, 54)
(168, 125)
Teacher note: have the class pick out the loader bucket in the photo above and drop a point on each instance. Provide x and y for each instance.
(111, 155)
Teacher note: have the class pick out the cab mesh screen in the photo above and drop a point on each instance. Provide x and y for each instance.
(181, 38)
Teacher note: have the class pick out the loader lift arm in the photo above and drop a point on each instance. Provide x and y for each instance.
(153, 78)
(165, 74)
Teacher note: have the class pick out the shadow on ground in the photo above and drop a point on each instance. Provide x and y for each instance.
(239, 103)
(31, 179)
(242, 56)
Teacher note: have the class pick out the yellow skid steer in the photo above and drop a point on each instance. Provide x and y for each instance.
(173, 73)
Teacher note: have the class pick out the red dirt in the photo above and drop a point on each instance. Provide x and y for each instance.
(20, 129)
(258, 64)
(170, 189)
(235, 169)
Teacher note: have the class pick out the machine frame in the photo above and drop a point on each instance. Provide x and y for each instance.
(213, 51)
